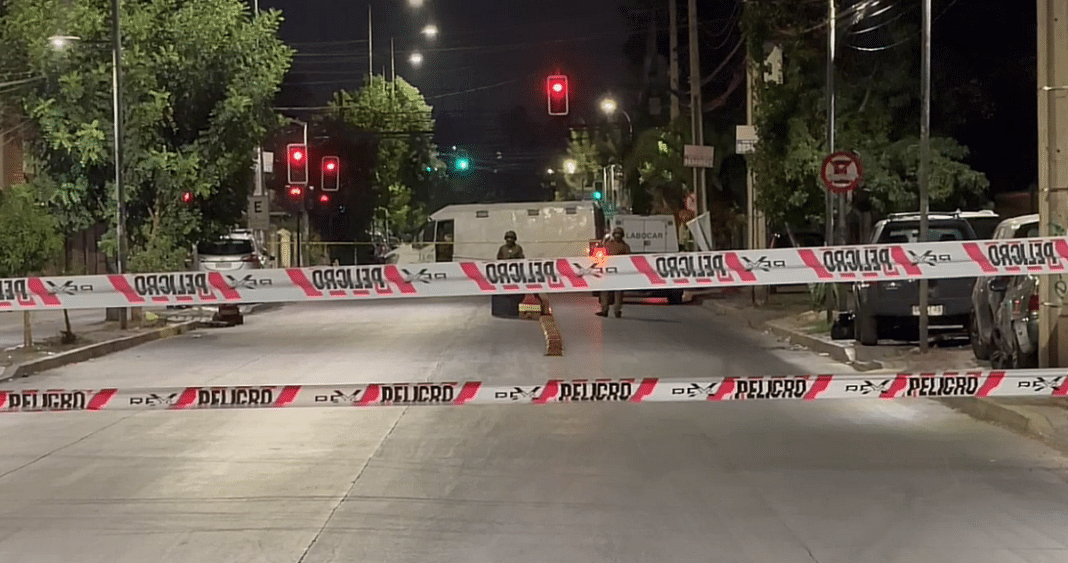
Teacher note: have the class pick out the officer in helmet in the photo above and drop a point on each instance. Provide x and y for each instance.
(510, 250)
(615, 246)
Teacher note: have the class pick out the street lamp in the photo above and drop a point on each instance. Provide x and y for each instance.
(431, 31)
(416, 58)
(609, 106)
(570, 166)
(61, 41)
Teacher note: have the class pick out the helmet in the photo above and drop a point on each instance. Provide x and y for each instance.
(510, 235)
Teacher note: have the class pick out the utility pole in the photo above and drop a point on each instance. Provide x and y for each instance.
(925, 157)
(120, 188)
(1052, 171)
(697, 125)
(832, 36)
(370, 49)
(257, 188)
(673, 18)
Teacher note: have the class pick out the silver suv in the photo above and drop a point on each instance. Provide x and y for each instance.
(237, 251)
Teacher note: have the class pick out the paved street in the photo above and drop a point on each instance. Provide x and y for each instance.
(828, 481)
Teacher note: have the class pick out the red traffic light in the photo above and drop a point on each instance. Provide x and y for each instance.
(330, 174)
(297, 163)
(187, 197)
(558, 94)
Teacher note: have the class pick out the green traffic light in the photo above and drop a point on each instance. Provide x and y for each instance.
(429, 169)
(462, 164)
(596, 195)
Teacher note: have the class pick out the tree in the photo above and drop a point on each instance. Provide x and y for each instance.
(29, 239)
(401, 119)
(199, 79)
(877, 90)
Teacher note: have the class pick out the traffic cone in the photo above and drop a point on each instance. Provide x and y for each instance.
(530, 307)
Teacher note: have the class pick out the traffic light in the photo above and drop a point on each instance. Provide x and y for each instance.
(463, 163)
(187, 197)
(597, 195)
(297, 160)
(331, 171)
(556, 87)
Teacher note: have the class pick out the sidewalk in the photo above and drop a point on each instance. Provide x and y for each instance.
(789, 316)
(94, 336)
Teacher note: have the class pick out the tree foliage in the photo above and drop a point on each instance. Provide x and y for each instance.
(199, 77)
(877, 92)
(29, 239)
(398, 114)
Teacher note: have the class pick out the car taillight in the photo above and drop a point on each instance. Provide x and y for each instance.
(1032, 304)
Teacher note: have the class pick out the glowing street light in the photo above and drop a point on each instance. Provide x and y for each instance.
(416, 59)
(570, 166)
(431, 31)
(608, 105)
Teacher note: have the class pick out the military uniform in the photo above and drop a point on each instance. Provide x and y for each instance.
(510, 250)
(615, 246)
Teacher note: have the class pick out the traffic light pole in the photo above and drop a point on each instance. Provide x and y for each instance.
(304, 208)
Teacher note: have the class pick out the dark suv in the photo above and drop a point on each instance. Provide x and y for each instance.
(890, 309)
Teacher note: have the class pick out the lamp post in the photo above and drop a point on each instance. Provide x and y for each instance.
(62, 41)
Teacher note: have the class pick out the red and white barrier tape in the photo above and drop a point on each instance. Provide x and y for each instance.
(1018, 383)
(559, 275)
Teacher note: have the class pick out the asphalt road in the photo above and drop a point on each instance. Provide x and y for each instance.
(828, 481)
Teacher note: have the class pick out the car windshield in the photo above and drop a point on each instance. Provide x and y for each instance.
(901, 233)
(226, 247)
(984, 227)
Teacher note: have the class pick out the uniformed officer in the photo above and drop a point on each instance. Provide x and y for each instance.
(510, 250)
(615, 246)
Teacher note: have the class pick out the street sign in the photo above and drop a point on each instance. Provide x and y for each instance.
(697, 156)
(842, 172)
(259, 213)
(745, 139)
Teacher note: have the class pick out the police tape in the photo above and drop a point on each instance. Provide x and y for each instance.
(1017, 383)
(678, 271)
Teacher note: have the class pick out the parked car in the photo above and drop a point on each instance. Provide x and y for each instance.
(1014, 335)
(237, 251)
(890, 309)
(984, 223)
(985, 301)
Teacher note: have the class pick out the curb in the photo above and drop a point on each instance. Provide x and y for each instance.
(91, 351)
(838, 352)
(982, 409)
(554, 344)
(987, 410)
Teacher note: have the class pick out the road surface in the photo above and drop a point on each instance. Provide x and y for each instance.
(827, 481)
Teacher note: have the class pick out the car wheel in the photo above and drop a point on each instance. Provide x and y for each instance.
(1000, 356)
(979, 349)
(867, 329)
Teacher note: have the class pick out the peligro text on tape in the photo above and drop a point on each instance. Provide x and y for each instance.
(1016, 383)
(467, 278)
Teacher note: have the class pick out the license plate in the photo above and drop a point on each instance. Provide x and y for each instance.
(932, 310)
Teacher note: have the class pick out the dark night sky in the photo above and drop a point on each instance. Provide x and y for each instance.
(483, 43)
